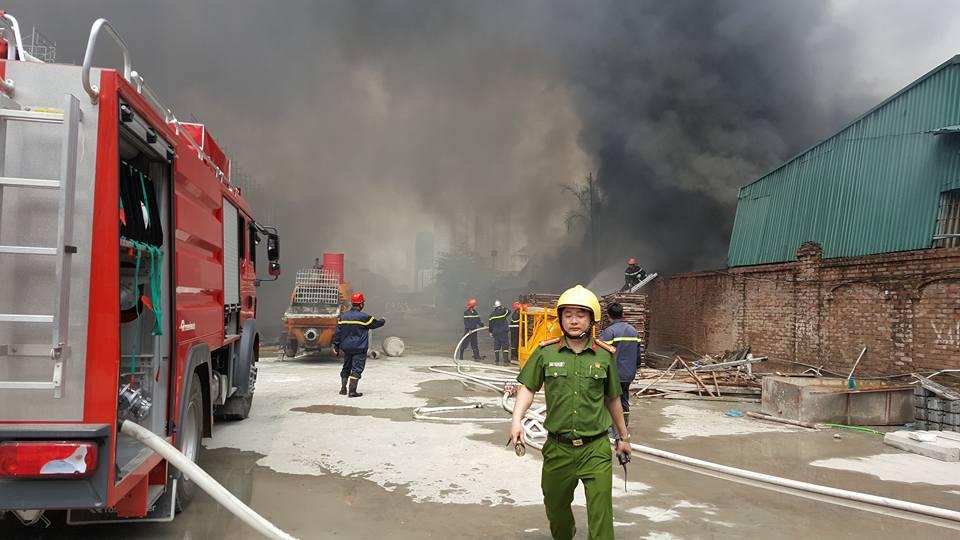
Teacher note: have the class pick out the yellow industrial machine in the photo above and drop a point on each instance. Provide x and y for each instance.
(538, 319)
(537, 324)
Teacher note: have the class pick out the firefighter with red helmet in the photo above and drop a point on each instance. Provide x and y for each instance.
(515, 330)
(471, 321)
(632, 275)
(352, 337)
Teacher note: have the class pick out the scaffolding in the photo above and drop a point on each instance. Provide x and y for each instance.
(41, 47)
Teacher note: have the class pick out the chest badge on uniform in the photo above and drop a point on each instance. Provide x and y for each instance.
(597, 365)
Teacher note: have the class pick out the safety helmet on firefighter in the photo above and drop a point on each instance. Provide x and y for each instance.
(471, 303)
(496, 303)
(516, 305)
(632, 261)
(357, 298)
(580, 297)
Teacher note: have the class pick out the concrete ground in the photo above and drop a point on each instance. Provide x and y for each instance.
(321, 465)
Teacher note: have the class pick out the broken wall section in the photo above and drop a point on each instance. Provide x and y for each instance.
(904, 307)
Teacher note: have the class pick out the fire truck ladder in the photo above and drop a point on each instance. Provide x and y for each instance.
(59, 350)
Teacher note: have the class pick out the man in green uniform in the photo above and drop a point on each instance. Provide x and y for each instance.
(579, 377)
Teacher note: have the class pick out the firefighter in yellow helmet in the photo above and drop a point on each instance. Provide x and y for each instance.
(579, 377)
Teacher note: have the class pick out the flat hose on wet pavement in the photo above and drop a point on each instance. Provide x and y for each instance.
(534, 430)
(204, 481)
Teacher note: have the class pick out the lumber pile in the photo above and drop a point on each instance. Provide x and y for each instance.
(726, 377)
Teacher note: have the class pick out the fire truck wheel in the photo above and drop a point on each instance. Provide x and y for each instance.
(238, 407)
(192, 432)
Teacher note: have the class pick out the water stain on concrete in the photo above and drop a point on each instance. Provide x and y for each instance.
(397, 415)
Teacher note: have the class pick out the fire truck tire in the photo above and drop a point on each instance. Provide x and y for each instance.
(236, 407)
(290, 349)
(190, 446)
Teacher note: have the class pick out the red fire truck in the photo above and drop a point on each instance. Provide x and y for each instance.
(128, 276)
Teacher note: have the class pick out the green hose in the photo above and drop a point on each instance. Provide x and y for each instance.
(855, 428)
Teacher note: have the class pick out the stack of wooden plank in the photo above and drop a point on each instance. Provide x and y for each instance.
(635, 312)
(540, 299)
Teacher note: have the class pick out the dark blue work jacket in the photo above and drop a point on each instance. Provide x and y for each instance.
(353, 328)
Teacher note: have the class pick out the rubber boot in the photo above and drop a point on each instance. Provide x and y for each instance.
(496, 355)
(343, 386)
(353, 388)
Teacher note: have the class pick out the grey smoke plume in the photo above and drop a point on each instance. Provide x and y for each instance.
(363, 122)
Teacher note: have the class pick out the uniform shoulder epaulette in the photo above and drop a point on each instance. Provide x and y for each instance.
(550, 341)
(606, 346)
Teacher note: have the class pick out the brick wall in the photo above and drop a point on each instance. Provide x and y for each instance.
(904, 307)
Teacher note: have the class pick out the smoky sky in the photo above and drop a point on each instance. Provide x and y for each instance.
(360, 123)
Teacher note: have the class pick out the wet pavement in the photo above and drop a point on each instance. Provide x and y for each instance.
(320, 465)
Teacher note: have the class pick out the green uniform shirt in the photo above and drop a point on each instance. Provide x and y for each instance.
(576, 386)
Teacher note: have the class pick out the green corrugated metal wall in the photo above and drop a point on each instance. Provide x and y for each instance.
(874, 187)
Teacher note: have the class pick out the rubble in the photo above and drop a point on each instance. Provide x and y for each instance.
(708, 377)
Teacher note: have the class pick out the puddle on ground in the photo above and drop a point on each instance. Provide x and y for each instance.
(451, 392)
(397, 415)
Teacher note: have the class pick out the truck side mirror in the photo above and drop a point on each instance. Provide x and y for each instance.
(273, 249)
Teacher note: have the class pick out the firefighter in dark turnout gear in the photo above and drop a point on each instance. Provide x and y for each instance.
(352, 337)
(499, 328)
(471, 321)
(515, 331)
(632, 275)
(626, 339)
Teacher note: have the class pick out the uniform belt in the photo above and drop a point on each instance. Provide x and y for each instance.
(574, 442)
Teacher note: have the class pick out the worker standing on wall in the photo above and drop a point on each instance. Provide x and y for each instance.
(626, 339)
(579, 377)
(471, 321)
(352, 337)
(499, 329)
(632, 275)
(515, 331)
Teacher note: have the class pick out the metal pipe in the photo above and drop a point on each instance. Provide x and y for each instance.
(203, 480)
(92, 90)
(18, 40)
(855, 364)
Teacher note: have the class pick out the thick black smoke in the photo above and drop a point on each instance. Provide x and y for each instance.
(361, 122)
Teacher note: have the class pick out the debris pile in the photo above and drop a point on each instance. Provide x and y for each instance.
(726, 377)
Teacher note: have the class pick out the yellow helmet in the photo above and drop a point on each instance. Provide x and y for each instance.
(580, 296)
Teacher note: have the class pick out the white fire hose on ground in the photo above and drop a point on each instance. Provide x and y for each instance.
(535, 433)
(204, 481)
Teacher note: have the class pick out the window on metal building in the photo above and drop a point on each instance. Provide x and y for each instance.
(948, 220)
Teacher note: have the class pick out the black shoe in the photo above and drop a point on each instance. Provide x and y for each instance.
(353, 388)
(343, 386)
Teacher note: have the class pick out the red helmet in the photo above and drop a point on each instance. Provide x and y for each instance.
(357, 298)
(516, 305)
(632, 261)
(471, 303)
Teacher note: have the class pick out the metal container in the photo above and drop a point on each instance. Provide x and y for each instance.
(393, 346)
(828, 400)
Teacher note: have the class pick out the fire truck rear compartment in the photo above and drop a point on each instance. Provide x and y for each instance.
(145, 296)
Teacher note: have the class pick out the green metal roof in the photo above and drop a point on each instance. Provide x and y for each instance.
(873, 187)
